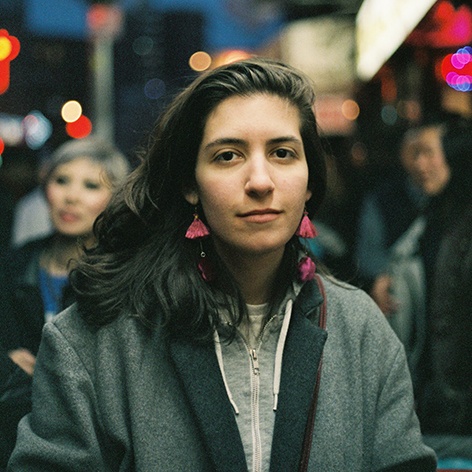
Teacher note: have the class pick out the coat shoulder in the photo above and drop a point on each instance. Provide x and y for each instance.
(352, 311)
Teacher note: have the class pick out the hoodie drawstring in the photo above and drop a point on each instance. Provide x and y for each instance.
(219, 356)
(279, 352)
(277, 361)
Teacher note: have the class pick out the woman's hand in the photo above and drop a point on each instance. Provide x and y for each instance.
(24, 359)
(381, 294)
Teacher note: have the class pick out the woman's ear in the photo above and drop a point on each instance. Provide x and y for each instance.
(191, 196)
(309, 194)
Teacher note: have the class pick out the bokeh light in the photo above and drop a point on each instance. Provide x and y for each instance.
(71, 111)
(409, 110)
(80, 128)
(200, 61)
(9, 50)
(143, 45)
(389, 115)
(37, 129)
(5, 48)
(456, 69)
(154, 89)
(350, 109)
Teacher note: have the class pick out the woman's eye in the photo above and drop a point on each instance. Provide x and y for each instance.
(282, 153)
(92, 185)
(60, 180)
(226, 156)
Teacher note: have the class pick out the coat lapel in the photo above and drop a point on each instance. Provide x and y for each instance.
(301, 358)
(198, 370)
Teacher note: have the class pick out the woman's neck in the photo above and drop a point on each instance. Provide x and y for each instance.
(58, 257)
(254, 275)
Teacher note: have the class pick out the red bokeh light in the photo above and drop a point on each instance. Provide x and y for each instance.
(104, 20)
(80, 128)
(9, 49)
(456, 69)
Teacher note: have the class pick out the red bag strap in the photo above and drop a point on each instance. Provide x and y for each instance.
(312, 413)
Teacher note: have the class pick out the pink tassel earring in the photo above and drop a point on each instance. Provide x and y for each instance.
(205, 268)
(306, 229)
(306, 269)
(197, 229)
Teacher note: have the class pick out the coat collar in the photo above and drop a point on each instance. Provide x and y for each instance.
(302, 355)
(199, 372)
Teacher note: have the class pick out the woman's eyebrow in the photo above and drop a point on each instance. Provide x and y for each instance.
(242, 142)
(225, 141)
(285, 139)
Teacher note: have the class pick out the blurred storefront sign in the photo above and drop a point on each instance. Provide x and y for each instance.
(381, 27)
(324, 49)
(447, 24)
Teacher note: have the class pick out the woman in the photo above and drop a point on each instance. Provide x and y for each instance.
(194, 344)
(444, 393)
(79, 180)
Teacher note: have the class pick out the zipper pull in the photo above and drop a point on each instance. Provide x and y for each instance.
(255, 361)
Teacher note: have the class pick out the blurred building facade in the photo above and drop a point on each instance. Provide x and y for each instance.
(362, 109)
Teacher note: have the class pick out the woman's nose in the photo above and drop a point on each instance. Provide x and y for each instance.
(71, 194)
(259, 178)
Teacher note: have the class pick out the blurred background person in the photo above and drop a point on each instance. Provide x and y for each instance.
(391, 224)
(386, 213)
(443, 168)
(426, 285)
(78, 183)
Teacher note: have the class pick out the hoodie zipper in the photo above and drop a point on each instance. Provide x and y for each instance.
(255, 388)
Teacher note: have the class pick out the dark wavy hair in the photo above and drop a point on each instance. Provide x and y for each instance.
(142, 263)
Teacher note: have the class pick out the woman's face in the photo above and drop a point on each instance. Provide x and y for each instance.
(252, 175)
(428, 166)
(77, 193)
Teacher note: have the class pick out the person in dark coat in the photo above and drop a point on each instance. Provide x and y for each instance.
(78, 184)
(445, 388)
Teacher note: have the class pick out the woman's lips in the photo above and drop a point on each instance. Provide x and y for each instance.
(261, 216)
(68, 217)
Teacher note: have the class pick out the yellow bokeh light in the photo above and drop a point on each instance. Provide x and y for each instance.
(5, 47)
(71, 111)
(350, 109)
(200, 61)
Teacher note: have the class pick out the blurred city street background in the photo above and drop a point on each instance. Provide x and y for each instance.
(73, 67)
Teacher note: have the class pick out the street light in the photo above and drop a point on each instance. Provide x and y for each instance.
(9, 49)
(104, 24)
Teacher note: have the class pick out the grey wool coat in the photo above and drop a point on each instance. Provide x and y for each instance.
(124, 398)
